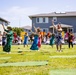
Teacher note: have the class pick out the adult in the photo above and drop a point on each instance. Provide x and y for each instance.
(9, 36)
(58, 36)
(70, 39)
(37, 41)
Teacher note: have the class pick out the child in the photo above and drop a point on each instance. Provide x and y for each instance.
(26, 39)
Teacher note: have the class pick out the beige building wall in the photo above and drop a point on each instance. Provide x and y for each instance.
(1, 29)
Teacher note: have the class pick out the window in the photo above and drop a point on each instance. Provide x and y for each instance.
(42, 20)
(55, 19)
(46, 20)
(37, 20)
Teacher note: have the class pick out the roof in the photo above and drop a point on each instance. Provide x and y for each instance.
(27, 27)
(4, 20)
(54, 14)
(63, 26)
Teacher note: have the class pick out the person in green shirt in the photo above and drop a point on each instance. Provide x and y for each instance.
(9, 36)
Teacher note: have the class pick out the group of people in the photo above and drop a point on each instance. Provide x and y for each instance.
(38, 38)
(51, 38)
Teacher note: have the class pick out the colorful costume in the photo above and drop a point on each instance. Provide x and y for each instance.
(9, 37)
(58, 38)
(52, 40)
(35, 43)
(25, 40)
(39, 42)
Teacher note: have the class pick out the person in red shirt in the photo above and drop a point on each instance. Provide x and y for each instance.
(15, 37)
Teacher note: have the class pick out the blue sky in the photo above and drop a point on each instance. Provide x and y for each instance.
(17, 11)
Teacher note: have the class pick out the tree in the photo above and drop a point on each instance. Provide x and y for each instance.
(17, 30)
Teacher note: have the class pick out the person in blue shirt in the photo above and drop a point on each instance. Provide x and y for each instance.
(26, 39)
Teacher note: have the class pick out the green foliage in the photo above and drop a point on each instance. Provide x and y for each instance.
(17, 30)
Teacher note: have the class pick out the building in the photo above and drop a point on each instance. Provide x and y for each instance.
(27, 29)
(44, 21)
(4, 22)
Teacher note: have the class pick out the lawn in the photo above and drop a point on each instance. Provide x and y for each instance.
(46, 61)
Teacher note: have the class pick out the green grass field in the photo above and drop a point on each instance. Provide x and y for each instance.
(46, 61)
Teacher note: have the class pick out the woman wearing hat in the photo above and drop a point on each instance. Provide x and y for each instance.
(9, 36)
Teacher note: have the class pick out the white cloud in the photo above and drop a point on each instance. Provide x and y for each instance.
(21, 11)
(16, 14)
